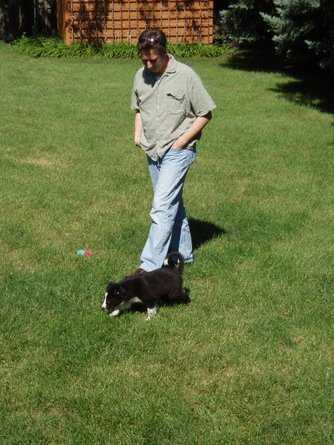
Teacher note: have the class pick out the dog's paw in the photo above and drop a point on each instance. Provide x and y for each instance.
(114, 313)
(151, 312)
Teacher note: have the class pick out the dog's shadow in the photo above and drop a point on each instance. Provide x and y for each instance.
(203, 231)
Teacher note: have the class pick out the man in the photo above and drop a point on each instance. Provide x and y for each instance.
(172, 107)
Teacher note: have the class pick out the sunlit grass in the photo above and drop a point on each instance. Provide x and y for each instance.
(250, 360)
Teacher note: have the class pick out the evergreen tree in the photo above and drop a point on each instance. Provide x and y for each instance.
(303, 31)
(241, 22)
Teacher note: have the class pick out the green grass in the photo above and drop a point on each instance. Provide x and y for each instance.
(250, 360)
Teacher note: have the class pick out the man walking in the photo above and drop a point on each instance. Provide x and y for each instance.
(172, 107)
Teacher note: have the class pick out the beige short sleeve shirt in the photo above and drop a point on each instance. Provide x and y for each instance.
(168, 105)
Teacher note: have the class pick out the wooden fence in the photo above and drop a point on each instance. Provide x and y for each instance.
(123, 20)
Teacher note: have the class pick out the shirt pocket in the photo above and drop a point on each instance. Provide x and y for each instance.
(144, 98)
(175, 101)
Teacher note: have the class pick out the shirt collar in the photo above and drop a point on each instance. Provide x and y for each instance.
(171, 66)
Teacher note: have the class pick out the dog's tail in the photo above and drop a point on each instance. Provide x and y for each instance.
(175, 260)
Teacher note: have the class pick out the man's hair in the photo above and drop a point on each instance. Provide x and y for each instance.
(152, 39)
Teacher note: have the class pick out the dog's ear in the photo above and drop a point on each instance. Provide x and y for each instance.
(122, 291)
(116, 290)
(110, 284)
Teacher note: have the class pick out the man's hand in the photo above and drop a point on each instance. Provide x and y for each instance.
(196, 128)
(180, 143)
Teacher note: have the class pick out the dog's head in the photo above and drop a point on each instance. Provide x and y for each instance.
(114, 299)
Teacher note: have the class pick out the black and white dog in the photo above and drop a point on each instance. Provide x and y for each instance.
(148, 288)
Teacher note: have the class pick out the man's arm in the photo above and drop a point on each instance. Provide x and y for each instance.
(138, 128)
(198, 125)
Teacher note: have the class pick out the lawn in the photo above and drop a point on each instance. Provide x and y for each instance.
(250, 360)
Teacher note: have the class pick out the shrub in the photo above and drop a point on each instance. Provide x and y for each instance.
(54, 47)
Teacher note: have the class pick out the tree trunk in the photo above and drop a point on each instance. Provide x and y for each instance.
(27, 16)
(47, 16)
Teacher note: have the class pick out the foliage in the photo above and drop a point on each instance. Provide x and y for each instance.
(55, 47)
(44, 47)
(241, 22)
(197, 49)
(303, 31)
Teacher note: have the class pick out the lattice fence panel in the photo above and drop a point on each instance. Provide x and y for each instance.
(123, 20)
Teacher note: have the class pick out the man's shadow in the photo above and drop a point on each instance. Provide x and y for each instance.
(203, 231)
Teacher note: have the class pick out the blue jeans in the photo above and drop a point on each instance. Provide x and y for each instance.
(169, 229)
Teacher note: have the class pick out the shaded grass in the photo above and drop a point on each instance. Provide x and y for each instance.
(251, 359)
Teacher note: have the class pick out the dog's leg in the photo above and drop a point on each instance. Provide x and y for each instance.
(151, 312)
(104, 304)
(185, 296)
(179, 296)
(114, 313)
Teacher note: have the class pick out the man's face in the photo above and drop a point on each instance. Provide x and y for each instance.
(154, 62)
